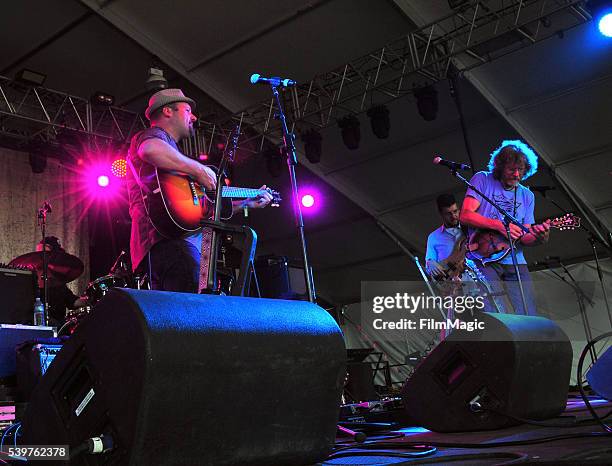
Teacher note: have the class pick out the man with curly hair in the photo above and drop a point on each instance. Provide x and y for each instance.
(511, 163)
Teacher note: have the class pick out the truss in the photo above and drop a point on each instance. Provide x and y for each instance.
(478, 33)
(33, 115)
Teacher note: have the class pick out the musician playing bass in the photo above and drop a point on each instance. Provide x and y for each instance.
(510, 163)
(171, 262)
(444, 241)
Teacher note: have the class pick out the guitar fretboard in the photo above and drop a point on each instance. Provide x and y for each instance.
(231, 191)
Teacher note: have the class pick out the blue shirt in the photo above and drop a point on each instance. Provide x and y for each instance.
(518, 202)
(441, 241)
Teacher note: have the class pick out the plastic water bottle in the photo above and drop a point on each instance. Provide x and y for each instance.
(39, 312)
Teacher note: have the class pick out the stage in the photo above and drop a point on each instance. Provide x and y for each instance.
(582, 441)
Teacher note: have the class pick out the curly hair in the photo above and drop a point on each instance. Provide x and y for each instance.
(513, 151)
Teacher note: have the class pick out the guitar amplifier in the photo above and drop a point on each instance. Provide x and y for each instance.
(12, 336)
(278, 279)
(17, 294)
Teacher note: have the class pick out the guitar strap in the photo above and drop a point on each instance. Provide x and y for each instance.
(205, 258)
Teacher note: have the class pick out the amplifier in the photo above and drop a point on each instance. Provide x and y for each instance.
(17, 294)
(11, 336)
(279, 279)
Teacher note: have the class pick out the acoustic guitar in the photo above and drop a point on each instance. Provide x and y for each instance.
(176, 204)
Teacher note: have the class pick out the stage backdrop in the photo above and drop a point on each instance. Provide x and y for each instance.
(22, 194)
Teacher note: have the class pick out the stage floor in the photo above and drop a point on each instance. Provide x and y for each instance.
(582, 443)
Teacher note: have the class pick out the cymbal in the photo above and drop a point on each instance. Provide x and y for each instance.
(62, 267)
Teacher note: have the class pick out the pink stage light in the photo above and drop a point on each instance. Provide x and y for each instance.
(119, 168)
(308, 201)
(103, 181)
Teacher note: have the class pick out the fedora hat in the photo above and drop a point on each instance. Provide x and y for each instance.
(166, 97)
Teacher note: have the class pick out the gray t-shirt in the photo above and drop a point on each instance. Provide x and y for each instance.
(518, 202)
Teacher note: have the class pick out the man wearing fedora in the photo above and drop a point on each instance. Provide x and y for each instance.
(171, 263)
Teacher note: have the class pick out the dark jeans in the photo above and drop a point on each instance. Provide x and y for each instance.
(174, 266)
(502, 278)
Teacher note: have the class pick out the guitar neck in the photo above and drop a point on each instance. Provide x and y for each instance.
(235, 192)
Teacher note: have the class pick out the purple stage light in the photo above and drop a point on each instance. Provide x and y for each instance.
(308, 201)
(103, 181)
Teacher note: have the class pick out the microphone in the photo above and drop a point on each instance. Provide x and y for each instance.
(542, 189)
(450, 164)
(256, 78)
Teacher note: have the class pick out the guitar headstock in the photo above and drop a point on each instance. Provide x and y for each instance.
(276, 197)
(566, 222)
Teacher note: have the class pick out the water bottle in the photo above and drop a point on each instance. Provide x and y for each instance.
(39, 312)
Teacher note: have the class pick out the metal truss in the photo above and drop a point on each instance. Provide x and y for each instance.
(35, 115)
(478, 33)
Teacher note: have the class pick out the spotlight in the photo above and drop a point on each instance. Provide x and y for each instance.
(601, 10)
(274, 161)
(31, 77)
(312, 145)
(103, 181)
(102, 99)
(351, 134)
(156, 80)
(119, 168)
(605, 24)
(379, 119)
(427, 102)
(308, 201)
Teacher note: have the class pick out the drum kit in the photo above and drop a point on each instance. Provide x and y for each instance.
(63, 268)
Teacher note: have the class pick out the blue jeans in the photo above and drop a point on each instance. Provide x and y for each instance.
(174, 266)
(502, 279)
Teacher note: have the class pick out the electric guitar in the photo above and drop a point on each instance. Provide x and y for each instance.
(176, 204)
(490, 246)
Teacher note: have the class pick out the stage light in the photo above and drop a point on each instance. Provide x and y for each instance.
(156, 80)
(312, 145)
(102, 99)
(31, 77)
(351, 134)
(308, 200)
(379, 120)
(601, 11)
(427, 102)
(605, 25)
(103, 181)
(119, 168)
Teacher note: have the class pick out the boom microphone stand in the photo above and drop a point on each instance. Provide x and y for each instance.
(289, 143)
(592, 239)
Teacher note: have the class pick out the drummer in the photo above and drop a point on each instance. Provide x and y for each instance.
(60, 296)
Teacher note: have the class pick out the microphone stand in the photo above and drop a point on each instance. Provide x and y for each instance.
(592, 239)
(42, 222)
(409, 253)
(289, 144)
(581, 297)
(507, 220)
(228, 156)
